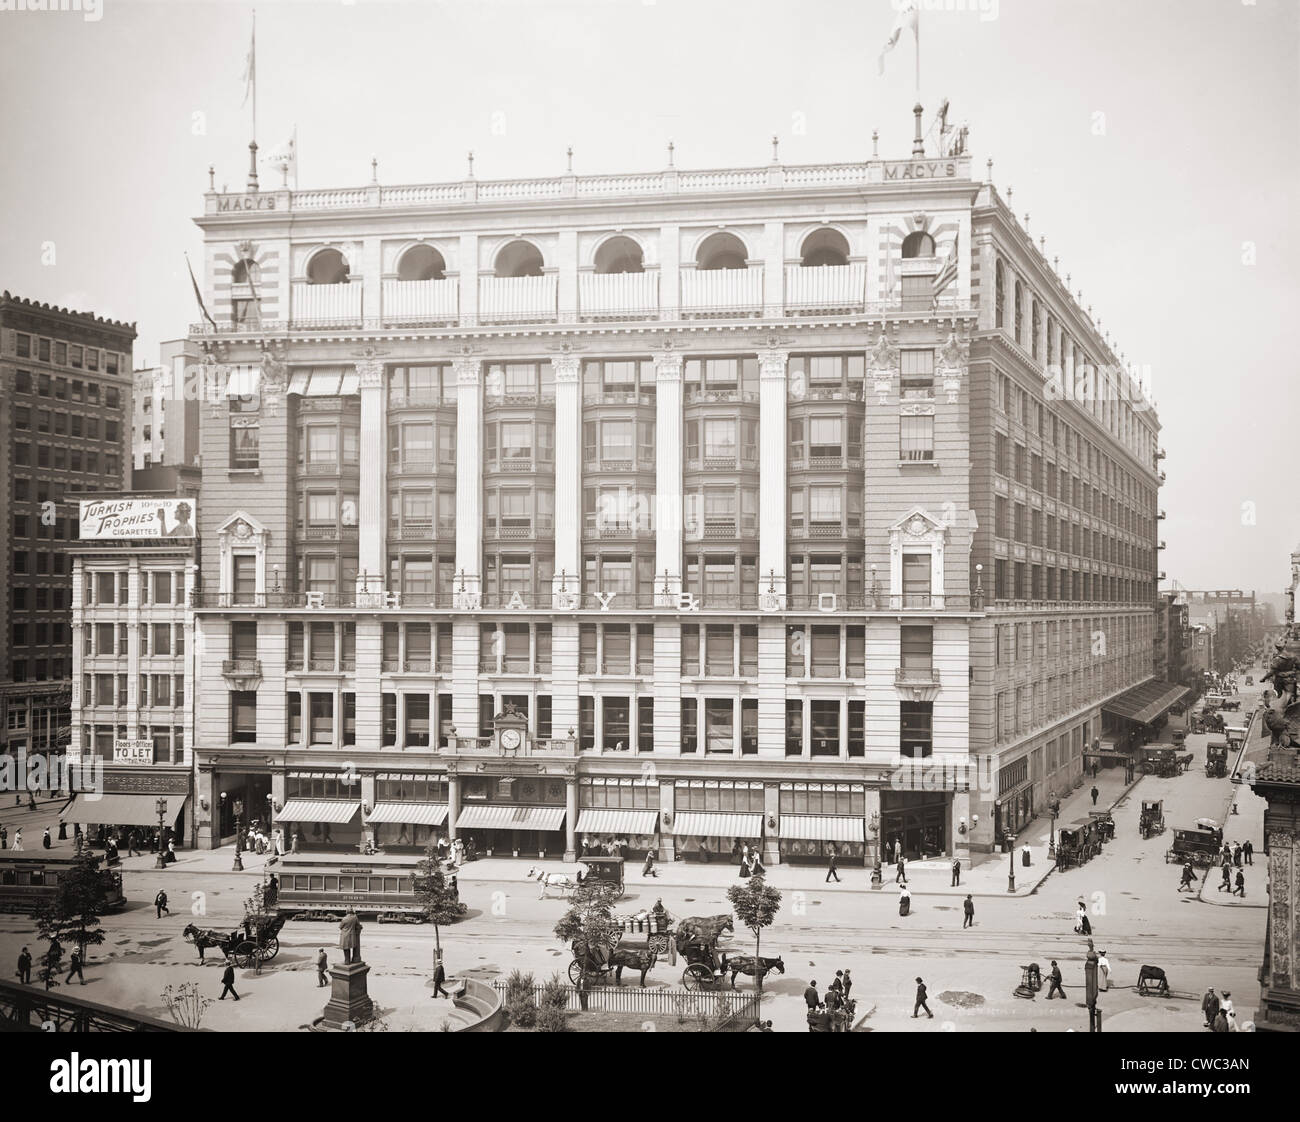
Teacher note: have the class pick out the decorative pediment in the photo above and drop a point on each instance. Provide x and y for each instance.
(918, 525)
(241, 529)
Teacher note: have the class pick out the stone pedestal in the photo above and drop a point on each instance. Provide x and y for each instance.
(348, 998)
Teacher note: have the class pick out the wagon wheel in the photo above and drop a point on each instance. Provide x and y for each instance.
(270, 949)
(618, 892)
(697, 976)
(246, 954)
(575, 972)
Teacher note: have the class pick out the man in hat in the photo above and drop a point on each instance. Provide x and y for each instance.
(921, 994)
(322, 965)
(1056, 986)
(350, 937)
(1210, 1007)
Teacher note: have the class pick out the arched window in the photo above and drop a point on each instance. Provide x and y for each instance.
(327, 267)
(918, 244)
(824, 247)
(1020, 313)
(722, 251)
(1035, 326)
(620, 255)
(519, 259)
(246, 272)
(1051, 341)
(999, 294)
(421, 262)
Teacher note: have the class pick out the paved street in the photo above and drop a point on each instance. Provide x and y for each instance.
(1138, 917)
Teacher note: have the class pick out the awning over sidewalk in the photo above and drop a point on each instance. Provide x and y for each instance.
(510, 817)
(123, 810)
(410, 814)
(717, 825)
(822, 827)
(334, 811)
(1144, 703)
(601, 821)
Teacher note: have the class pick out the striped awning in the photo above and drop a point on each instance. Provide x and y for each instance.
(334, 811)
(497, 817)
(822, 827)
(122, 810)
(325, 381)
(411, 814)
(601, 821)
(717, 825)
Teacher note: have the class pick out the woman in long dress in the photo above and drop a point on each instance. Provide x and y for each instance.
(744, 861)
(904, 901)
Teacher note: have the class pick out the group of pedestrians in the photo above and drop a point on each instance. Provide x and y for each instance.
(1220, 1016)
(1234, 857)
(53, 965)
(835, 1011)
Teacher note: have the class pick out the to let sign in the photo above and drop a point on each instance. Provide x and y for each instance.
(133, 751)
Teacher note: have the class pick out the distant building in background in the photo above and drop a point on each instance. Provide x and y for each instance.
(65, 404)
(165, 418)
(1171, 640)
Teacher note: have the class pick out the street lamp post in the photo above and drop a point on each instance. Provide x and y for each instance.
(238, 808)
(161, 806)
(1011, 868)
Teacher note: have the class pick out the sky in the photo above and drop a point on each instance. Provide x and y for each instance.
(1153, 142)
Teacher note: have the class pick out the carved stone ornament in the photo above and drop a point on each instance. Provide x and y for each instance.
(469, 371)
(566, 347)
(241, 530)
(246, 251)
(566, 367)
(883, 357)
(668, 366)
(772, 364)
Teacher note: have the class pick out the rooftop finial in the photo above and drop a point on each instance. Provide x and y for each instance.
(374, 169)
(918, 142)
(1042, 243)
(875, 144)
(1026, 222)
(775, 147)
(988, 174)
(212, 178)
(252, 165)
(1056, 263)
(1009, 191)
(670, 153)
(569, 154)
(471, 165)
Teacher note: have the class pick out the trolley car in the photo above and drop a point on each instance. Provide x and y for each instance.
(28, 881)
(327, 885)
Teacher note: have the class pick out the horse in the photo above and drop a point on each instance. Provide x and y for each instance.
(562, 881)
(753, 967)
(637, 960)
(707, 928)
(206, 939)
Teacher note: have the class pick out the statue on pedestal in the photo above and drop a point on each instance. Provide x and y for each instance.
(350, 937)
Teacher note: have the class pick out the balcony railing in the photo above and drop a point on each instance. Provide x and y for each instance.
(618, 296)
(518, 299)
(487, 746)
(242, 600)
(915, 676)
(328, 533)
(428, 303)
(242, 666)
(722, 293)
(411, 529)
(413, 465)
(327, 305)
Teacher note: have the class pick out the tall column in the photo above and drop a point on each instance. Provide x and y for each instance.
(453, 803)
(372, 531)
(468, 585)
(668, 549)
(773, 456)
(568, 473)
(570, 819)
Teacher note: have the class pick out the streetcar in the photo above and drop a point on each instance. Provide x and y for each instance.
(327, 885)
(30, 880)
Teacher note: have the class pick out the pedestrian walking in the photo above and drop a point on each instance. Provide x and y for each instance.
(1210, 1007)
(810, 996)
(1189, 879)
(1055, 978)
(4, 838)
(228, 982)
(74, 970)
(832, 856)
(25, 967)
(1226, 1010)
(440, 976)
(160, 903)
(1227, 878)
(322, 965)
(968, 907)
(1083, 926)
(847, 985)
(18, 840)
(1220, 1022)
(904, 901)
(1240, 890)
(1095, 793)
(956, 872)
(1103, 971)
(45, 839)
(900, 873)
(1248, 851)
(1236, 854)
(648, 869)
(921, 993)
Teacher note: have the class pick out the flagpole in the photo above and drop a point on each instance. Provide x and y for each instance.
(916, 36)
(253, 74)
(295, 155)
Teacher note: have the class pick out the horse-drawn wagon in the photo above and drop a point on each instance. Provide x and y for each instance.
(1216, 759)
(1199, 844)
(1159, 759)
(254, 945)
(1152, 820)
(606, 871)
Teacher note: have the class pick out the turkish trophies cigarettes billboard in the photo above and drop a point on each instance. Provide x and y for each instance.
(104, 519)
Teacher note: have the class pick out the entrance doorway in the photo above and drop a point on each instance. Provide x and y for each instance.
(249, 788)
(917, 819)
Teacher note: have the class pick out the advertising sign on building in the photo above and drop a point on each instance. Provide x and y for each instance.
(106, 519)
(133, 751)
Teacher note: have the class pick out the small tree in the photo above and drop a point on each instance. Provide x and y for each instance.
(518, 1004)
(73, 914)
(588, 923)
(756, 906)
(185, 1004)
(437, 895)
(554, 1000)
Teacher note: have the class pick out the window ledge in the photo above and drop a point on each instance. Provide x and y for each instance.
(245, 471)
(919, 463)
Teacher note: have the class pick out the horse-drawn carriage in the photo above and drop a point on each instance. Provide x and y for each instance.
(253, 944)
(606, 871)
(1199, 844)
(1160, 759)
(1104, 823)
(1078, 843)
(1152, 820)
(1178, 737)
(1216, 759)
